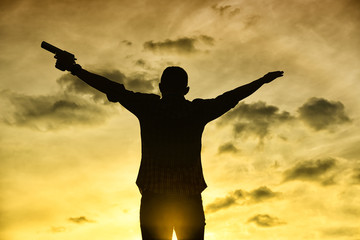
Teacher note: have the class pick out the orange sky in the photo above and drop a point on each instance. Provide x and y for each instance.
(284, 164)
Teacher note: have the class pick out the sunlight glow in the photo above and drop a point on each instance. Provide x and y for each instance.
(174, 236)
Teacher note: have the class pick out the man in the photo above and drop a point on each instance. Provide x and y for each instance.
(170, 177)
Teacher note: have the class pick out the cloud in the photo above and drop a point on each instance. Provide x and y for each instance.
(255, 119)
(57, 229)
(52, 112)
(75, 104)
(265, 220)
(181, 45)
(206, 39)
(126, 42)
(320, 114)
(72, 84)
(139, 82)
(140, 62)
(184, 45)
(80, 220)
(225, 10)
(356, 176)
(135, 82)
(311, 170)
(262, 194)
(228, 148)
(341, 231)
(248, 20)
(258, 119)
(240, 196)
(251, 21)
(222, 203)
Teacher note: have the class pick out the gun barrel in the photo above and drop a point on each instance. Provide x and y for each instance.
(50, 48)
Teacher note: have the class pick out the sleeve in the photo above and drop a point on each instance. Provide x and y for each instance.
(210, 109)
(214, 108)
(134, 102)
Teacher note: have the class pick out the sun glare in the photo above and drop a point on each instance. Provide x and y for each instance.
(174, 236)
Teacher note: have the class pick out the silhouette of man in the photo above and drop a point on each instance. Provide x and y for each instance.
(170, 177)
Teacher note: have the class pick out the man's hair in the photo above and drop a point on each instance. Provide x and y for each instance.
(174, 79)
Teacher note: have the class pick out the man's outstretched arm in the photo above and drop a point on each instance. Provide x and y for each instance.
(115, 92)
(223, 103)
(246, 90)
(104, 85)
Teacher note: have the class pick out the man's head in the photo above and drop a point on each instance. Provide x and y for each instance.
(174, 81)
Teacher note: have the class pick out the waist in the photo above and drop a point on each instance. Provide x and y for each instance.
(151, 194)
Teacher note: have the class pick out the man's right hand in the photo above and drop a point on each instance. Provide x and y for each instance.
(65, 61)
(269, 77)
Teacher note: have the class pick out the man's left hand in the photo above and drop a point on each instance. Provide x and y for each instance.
(269, 77)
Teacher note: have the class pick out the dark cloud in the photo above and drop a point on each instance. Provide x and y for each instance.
(330, 180)
(242, 197)
(181, 45)
(126, 42)
(114, 75)
(52, 112)
(225, 10)
(312, 170)
(72, 84)
(251, 20)
(356, 176)
(255, 119)
(80, 220)
(320, 113)
(228, 148)
(184, 45)
(265, 220)
(220, 9)
(207, 39)
(262, 194)
(248, 20)
(138, 82)
(340, 232)
(222, 203)
(140, 62)
(258, 119)
(76, 103)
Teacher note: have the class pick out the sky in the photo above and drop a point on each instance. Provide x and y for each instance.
(283, 164)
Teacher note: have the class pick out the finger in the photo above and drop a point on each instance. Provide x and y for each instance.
(280, 73)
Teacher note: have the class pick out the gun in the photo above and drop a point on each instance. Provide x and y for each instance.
(65, 56)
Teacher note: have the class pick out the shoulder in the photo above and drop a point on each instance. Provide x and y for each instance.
(137, 102)
(147, 96)
(152, 96)
(198, 101)
(201, 102)
(210, 109)
(148, 100)
(138, 96)
(201, 105)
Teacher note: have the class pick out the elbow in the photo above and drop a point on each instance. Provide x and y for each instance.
(114, 91)
(112, 98)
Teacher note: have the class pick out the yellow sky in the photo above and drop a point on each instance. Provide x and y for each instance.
(284, 164)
